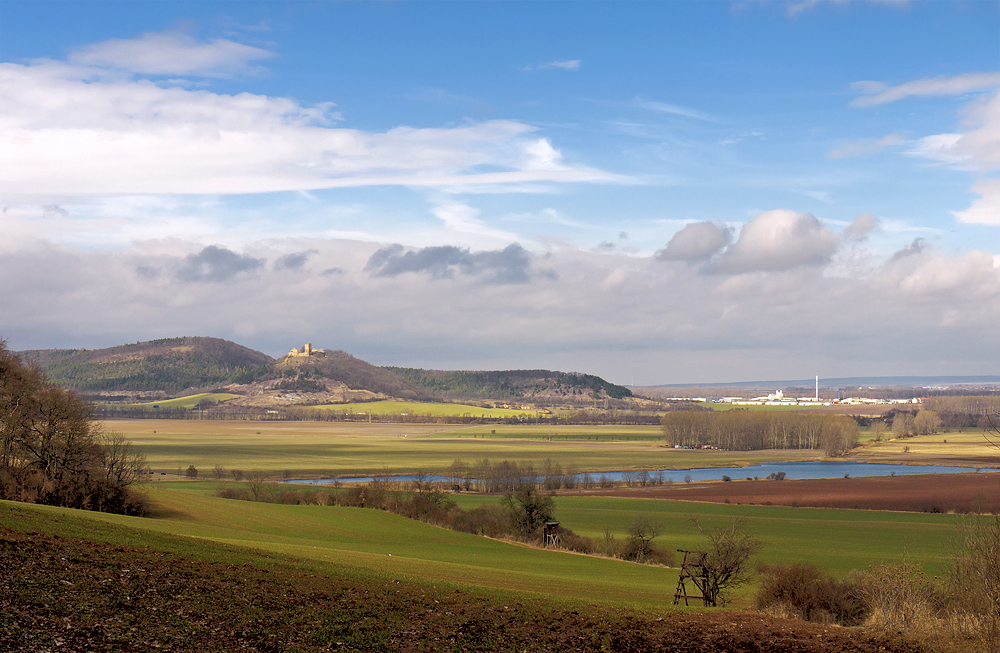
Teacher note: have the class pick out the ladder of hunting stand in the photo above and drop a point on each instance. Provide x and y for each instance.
(693, 569)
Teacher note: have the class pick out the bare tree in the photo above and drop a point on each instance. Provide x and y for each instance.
(122, 462)
(255, 483)
(727, 565)
(219, 471)
(641, 533)
(237, 474)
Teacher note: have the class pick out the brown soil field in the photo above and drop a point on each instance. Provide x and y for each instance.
(960, 493)
(65, 594)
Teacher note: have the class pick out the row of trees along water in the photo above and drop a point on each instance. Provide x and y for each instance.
(744, 430)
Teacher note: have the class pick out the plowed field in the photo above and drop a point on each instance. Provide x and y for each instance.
(962, 493)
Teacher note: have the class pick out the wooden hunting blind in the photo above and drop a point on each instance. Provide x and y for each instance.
(551, 533)
(693, 569)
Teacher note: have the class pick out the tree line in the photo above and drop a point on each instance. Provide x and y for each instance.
(966, 412)
(51, 450)
(745, 430)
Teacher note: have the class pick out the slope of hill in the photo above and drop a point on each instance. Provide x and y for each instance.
(511, 384)
(168, 364)
(309, 373)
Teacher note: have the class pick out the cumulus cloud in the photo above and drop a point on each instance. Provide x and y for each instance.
(696, 241)
(216, 264)
(599, 312)
(511, 265)
(170, 53)
(863, 225)
(917, 247)
(877, 93)
(73, 130)
(294, 260)
(986, 209)
(779, 240)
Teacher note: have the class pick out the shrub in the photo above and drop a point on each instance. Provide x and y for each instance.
(898, 596)
(806, 592)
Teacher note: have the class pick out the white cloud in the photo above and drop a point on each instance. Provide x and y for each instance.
(863, 225)
(936, 86)
(978, 148)
(567, 64)
(986, 209)
(864, 147)
(462, 218)
(779, 240)
(696, 241)
(171, 53)
(75, 131)
(506, 307)
(672, 109)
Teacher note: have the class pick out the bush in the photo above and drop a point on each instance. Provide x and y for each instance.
(974, 581)
(899, 596)
(802, 590)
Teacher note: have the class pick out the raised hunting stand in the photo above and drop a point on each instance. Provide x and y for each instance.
(693, 569)
(551, 533)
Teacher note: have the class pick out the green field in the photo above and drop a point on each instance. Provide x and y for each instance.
(373, 542)
(837, 540)
(370, 541)
(314, 449)
(393, 546)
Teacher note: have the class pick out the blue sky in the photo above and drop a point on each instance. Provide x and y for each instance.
(656, 192)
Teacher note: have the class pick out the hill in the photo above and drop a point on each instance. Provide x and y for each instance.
(314, 371)
(511, 384)
(157, 369)
(168, 364)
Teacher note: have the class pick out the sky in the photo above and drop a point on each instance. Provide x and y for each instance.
(653, 192)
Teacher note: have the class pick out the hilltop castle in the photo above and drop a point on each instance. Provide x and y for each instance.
(307, 350)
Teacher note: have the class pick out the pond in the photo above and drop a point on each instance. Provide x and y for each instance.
(807, 469)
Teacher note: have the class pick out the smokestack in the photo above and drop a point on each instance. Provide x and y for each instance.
(817, 387)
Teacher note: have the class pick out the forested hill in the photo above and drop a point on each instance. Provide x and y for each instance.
(169, 364)
(175, 365)
(510, 384)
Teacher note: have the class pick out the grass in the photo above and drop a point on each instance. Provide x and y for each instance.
(969, 447)
(75, 581)
(837, 540)
(370, 541)
(187, 402)
(312, 449)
